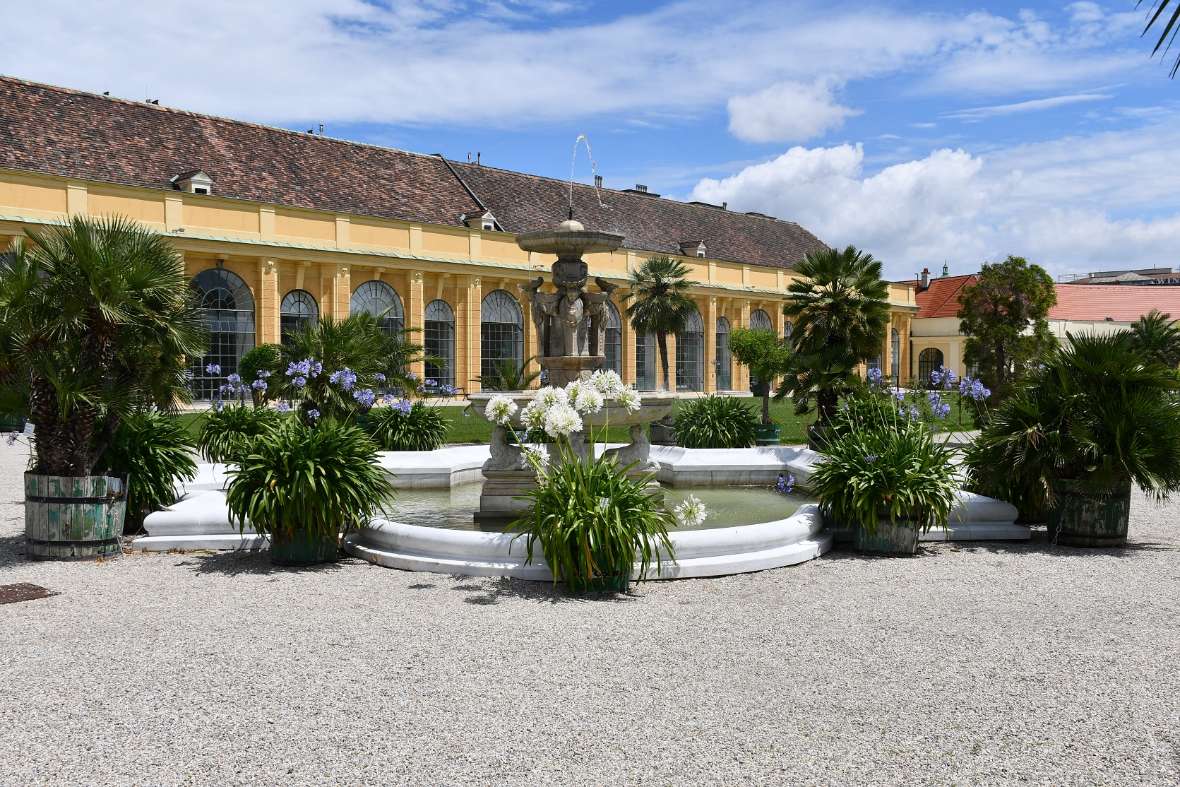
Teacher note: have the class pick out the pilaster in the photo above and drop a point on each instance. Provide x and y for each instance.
(173, 212)
(76, 199)
(742, 379)
(343, 227)
(268, 302)
(266, 222)
(416, 317)
(710, 359)
(627, 346)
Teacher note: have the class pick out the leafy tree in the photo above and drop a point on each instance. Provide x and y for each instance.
(96, 321)
(1003, 317)
(840, 310)
(1157, 337)
(765, 354)
(660, 303)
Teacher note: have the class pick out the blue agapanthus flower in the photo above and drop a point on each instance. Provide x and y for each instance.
(345, 378)
(313, 414)
(284, 407)
(403, 406)
(213, 369)
(299, 382)
(448, 390)
(365, 397)
(875, 375)
(234, 379)
(259, 384)
(379, 377)
(785, 485)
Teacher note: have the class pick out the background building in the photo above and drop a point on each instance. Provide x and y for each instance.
(278, 228)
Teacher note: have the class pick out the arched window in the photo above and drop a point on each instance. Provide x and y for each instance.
(690, 354)
(928, 360)
(614, 339)
(760, 321)
(228, 311)
(647, 362)
(874, 363)
(297, 310)
(380, 300)
(722, 362)
(895, 356)
(501, 329)
(438, 340)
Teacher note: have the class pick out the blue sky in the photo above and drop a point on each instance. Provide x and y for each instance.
(922, 132)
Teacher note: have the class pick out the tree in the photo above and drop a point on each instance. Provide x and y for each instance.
(660, 303)
(97, 320)
(765, 354)
(1156, 14)
(1157, 337)
(1003, 317)
(839, 310)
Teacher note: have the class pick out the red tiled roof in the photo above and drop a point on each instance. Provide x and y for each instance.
(1119, 302)
(941, 298)
(74, 134)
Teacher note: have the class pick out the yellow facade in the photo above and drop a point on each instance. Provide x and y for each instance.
(276, 251)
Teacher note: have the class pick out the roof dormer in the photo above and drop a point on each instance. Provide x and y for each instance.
(194, 182)
(693, 248)
(479, 220)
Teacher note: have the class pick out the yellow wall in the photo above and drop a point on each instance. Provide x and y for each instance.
(33, 196)
(304, 224)
(219, 216)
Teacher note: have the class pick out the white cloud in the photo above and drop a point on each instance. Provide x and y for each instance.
(1032, 105)
(1071, 204)
(787, 112)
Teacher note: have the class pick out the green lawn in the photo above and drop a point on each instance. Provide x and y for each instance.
(466, 427)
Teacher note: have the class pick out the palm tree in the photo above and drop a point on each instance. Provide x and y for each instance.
(660, 305)
(1157, 337)
(97, 322)
(1156, 12)
(839, 310)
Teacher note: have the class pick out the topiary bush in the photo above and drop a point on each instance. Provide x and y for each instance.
(715, 422)
(405, 427)
(152, 451)
(229, 433)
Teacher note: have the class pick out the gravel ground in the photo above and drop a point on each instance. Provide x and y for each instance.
(971, 664)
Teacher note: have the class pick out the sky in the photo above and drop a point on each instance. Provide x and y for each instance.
(926, 133)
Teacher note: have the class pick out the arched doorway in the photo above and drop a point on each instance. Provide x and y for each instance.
(722, 362)
(228, 311)
(929, 360)
(382, 302)
(501, 325)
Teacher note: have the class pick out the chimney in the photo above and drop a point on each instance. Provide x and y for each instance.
(925, 283)
(642, 189)
(598, 181)
(725, 206)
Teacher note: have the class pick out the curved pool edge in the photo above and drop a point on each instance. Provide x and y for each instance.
(702, 553)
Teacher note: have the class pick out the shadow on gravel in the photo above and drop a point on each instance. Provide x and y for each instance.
(253, 562)
(489, 591)
(847, 553)
(12, 550)
(1040, 544)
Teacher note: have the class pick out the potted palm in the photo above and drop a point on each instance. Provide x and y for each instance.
(767, 357)
(1098, 417)
(887, 479)
(304, 484)
(97, 322)
(839, 309)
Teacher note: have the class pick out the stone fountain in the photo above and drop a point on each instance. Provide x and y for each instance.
(570, 323)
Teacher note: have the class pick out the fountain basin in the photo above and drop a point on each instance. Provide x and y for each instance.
(699, 553)
(656, 405)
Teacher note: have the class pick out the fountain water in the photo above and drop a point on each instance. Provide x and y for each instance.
(570, 323)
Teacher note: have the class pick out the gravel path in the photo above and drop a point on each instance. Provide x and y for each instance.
(968, 664)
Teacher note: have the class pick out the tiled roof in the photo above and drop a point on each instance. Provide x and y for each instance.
(81, 135)
(1119, 302)
(941, 298)
(528, 202)
(73, 134)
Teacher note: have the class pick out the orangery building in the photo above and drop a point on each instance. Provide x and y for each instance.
(279, 227)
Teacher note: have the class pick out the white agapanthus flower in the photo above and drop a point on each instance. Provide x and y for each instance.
(549, 396)
(588, 400)
(533, 416)
(561, 420)
(628, 399)
(575, 387)
(608, 383)
(500, 409)
(691, 512)
(535, 458)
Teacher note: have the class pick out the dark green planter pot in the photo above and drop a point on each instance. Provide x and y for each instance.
(302, 549)
(767, 434)
(1085, 516)
(73, 517)
(887, 539)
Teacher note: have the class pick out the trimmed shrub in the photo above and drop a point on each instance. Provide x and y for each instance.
(418, 428)
(153, 452)
(265, 358)
(228, 434)
(715, 422)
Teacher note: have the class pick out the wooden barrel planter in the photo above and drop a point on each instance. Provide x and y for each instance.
(1086, 516)
(73, 517)
(888, 539)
